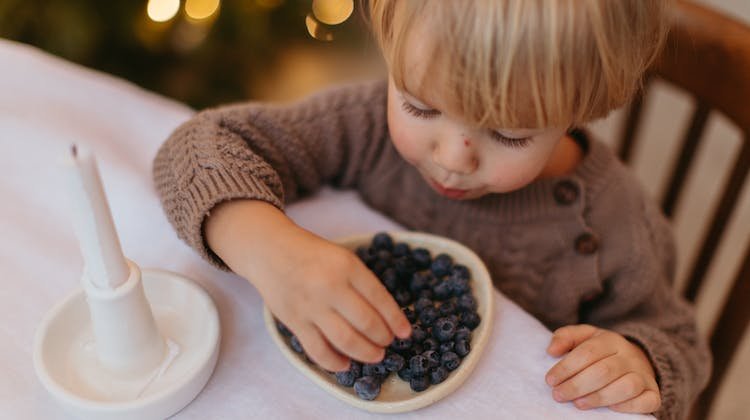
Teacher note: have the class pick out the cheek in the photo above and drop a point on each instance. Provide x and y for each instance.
(511, 174)
(403, 138)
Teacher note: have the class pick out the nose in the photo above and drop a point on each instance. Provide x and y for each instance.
(456, 154)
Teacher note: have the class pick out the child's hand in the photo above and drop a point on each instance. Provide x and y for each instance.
(602, 369)
(333, 303)
(321, 291)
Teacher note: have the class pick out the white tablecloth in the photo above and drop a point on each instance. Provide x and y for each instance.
(45, 105)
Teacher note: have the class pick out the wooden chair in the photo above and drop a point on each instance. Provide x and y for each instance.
(707, 55)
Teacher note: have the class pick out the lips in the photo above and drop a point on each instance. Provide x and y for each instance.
(454, 193)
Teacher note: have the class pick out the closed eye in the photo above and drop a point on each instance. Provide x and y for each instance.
(518, 143)
(419, 112)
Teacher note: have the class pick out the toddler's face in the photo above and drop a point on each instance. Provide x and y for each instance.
(460, 161)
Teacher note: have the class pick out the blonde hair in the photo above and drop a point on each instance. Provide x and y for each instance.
(527, 63)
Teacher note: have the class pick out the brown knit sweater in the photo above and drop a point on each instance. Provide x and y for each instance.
(584, 248)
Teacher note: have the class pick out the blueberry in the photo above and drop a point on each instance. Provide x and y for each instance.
(405, 374)
(437, 375)
(385, 256)
(367, 387)
(418, 334)
(394, 362)
(378, 266)
(461, 271)
(428, 315)
(462, 333)
(466, 302)
(446, 346)
(470, 319)
(422, 258)
(345, 378)
(447, 308)
(401, 344)
(459, 286)
(296, 345)
(365, 254)
(433, 358)
(404, 266)
(403, 297)
(410, 315)
(348, 377)
(389, 279)
(415, 349)
(450, 360)
(421, 304)
(443, 290)
(400, 249)
(419, 281)
(374, 369)
(441, 265)
(382, 240)
(419, 365)
(430, 343)
(283, 329)
(419, 382)
(462, 348)
(444, 329)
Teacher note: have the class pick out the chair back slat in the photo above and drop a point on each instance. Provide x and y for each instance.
(632, 120)
(733, 322)
(719, 220)
(689, 145)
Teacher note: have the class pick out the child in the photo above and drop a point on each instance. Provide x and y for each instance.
(475, 136)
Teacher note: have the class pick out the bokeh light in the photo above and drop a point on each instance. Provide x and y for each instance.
(162, 10)
(332, 12)
(317, 30)
(201, 9)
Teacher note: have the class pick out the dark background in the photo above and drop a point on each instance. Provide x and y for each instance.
(248, 49)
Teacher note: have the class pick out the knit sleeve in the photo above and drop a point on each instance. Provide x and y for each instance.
(639, 300)
(271, 152)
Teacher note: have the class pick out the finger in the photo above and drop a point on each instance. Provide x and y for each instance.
(567, 338)
(622, 389)
(374, 292)
(648, 402)
(348, 341)
(319, 350)
(594, 377)
(364, 318)
(581, 357)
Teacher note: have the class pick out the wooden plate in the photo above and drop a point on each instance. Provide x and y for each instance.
(395, 394)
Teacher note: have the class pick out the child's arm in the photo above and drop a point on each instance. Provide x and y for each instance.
(228, 172)
(321, 291)
(642, 333)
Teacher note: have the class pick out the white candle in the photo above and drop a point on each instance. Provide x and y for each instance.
(105, 264)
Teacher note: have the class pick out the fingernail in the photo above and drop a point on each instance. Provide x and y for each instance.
(581, 403)
(551, 380)
(557, 395)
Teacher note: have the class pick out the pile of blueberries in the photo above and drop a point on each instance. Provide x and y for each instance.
(435, 295)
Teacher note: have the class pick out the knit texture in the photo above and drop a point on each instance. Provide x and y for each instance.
(588, 247)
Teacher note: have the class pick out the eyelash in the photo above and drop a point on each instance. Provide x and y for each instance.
(419, 113)
(518, 143)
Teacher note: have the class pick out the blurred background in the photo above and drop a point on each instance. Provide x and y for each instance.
(209, 52)
(202, 52)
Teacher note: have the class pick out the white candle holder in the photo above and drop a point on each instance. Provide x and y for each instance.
(130, 345)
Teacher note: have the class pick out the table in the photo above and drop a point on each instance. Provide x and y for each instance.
(47, 104)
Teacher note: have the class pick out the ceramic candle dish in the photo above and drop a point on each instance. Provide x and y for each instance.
(395, 394)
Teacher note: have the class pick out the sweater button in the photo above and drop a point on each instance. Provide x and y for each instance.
(586, 244)
(565, 192)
